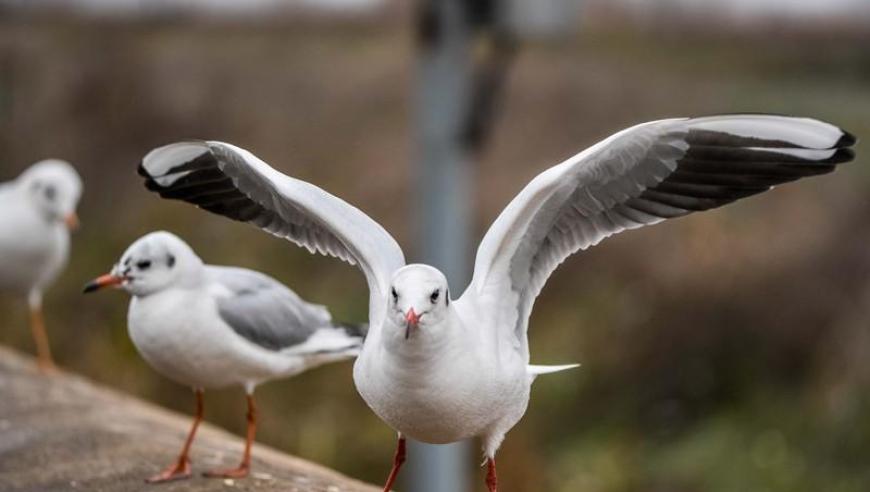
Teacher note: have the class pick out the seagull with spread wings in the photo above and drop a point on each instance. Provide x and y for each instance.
(438, 369)
(208, 326)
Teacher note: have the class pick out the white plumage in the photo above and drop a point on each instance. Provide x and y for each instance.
(440, 371)
(37, 209)
(208, 327)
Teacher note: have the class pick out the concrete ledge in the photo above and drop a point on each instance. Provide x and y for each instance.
(63, 432)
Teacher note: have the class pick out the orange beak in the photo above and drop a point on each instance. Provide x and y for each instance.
(103, 281)
(72, 221)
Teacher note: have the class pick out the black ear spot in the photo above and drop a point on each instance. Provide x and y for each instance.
(446, 297)
(170, 260)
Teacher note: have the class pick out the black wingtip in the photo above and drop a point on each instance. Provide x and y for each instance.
(354, 329)
(141, 170)
(847, 140)
(841, 156)
(152, 185)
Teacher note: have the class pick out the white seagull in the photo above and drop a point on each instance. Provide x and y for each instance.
(37, 211)
(440, 370)
(208, 326)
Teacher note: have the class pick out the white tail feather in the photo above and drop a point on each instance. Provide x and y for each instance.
(538, 370)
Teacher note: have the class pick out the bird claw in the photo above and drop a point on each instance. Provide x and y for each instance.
(177, 471)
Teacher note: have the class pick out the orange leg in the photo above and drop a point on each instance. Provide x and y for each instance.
(181, 468)
(245, 466)
(398, 459)
(40, 338)
(491, 478)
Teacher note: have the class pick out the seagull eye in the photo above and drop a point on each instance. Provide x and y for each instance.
(143, 265)
(395, 294)
(434, 297)
(50, 193)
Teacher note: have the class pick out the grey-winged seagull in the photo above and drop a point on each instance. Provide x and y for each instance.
(438, 369)
(209, 326)
(37, 211)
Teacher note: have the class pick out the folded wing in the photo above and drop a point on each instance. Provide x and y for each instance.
(263, 311)
(640, 176)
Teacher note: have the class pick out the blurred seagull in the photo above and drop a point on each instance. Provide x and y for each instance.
(37, 211)
(208, 326)
(440, 370)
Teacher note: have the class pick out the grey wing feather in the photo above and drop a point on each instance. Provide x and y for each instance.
(232, 182)
(683, 166)
(642, 176)
(264, 311)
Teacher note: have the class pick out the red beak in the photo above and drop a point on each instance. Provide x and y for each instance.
(412, 318)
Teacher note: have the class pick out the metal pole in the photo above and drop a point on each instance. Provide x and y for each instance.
(443, 185)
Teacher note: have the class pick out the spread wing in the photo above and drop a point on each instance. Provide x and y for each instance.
(232, 182)
(640, 176)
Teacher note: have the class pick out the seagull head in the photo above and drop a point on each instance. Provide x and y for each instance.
(154, 262)
(54, 188)
(419, 298)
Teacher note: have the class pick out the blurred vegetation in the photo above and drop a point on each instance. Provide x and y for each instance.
(721, 352)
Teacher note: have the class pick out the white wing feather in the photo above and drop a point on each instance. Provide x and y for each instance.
(637, 177)
(231, 181)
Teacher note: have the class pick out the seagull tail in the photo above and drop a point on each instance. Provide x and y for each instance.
(356, 330)
(335, 341)
(535, 371)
